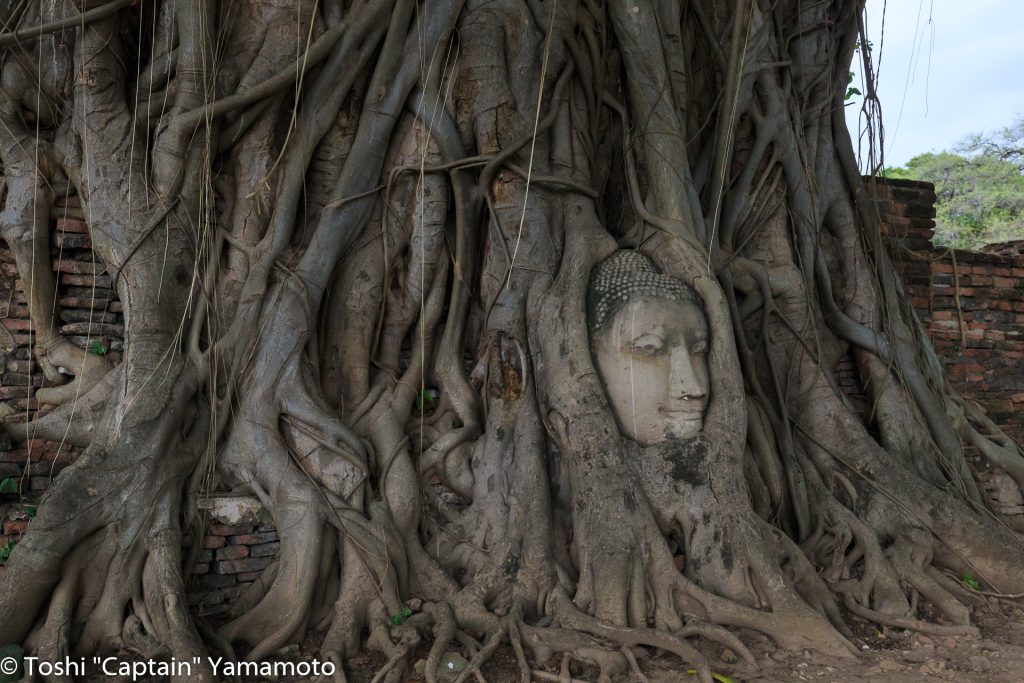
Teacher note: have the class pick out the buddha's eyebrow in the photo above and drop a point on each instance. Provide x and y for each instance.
(647, 333)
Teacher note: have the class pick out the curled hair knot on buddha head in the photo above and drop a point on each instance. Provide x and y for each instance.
(625, 275)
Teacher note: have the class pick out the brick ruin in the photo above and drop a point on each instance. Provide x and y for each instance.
(970, 303)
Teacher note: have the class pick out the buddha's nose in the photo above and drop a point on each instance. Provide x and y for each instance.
(685, 380)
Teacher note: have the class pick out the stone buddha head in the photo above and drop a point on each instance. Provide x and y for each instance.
(649, 338)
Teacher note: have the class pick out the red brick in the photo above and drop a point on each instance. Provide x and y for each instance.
(249, 564)
(27, 392)
(72, 225)
(17, 324)
(78, 267)
(71, 200)
(78, 280)
(214, 542)
(232, 552)
(227, 530)
(69, 240)
(253, 539)
(16, 527)
(263, 549)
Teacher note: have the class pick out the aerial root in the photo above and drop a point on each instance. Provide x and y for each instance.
(339, 668)
(60, 358)
(73, 421)
(631, 658)
(568, 615)
(946, 602)
(491, 644)
(907, 622)
(396, 653)
(719, 635)
(517, 647)
(576, 645)
(444, 631)
(53, 642)
(974, 597)
(214, 639)
(561, 678)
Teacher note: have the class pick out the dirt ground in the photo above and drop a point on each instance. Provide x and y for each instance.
(887, 656)
(893, 655)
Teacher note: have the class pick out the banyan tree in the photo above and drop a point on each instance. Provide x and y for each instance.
(522, 313)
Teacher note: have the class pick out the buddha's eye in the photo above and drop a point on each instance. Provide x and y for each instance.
(648, 344)
(700, 347)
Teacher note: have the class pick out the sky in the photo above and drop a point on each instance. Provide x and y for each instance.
(949, 68)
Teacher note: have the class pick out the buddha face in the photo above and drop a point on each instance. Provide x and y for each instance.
(652, 357)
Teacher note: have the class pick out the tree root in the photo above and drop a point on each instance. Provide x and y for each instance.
(907, 622)
(89, 369)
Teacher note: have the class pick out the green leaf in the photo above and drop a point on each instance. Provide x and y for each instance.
(98, 347)
(850, 92)
(971, 581)
(5, 550)
(425, 398)
(31, 511)
(397, 619)
(9, 485)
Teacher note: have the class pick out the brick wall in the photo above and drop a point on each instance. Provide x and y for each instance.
(970, 303)
(90, 316)
(238, 542)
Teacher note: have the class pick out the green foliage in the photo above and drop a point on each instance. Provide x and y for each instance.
(971, 581)
(425, 400)
(98, 347)
(5, 550)
(851, 91)
(397, 619)
(9, 485)
(979, 188)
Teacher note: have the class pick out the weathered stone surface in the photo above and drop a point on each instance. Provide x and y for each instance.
(231, 509)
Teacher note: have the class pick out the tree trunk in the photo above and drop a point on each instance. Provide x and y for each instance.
(355, 242)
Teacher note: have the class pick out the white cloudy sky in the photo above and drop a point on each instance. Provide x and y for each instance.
(948, 68)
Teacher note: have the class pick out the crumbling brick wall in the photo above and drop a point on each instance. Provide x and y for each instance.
(970, 303)
(90, 317)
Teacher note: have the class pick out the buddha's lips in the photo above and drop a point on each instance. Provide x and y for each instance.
(694, 413)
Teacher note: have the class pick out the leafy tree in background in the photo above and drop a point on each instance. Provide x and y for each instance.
(980, 187)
